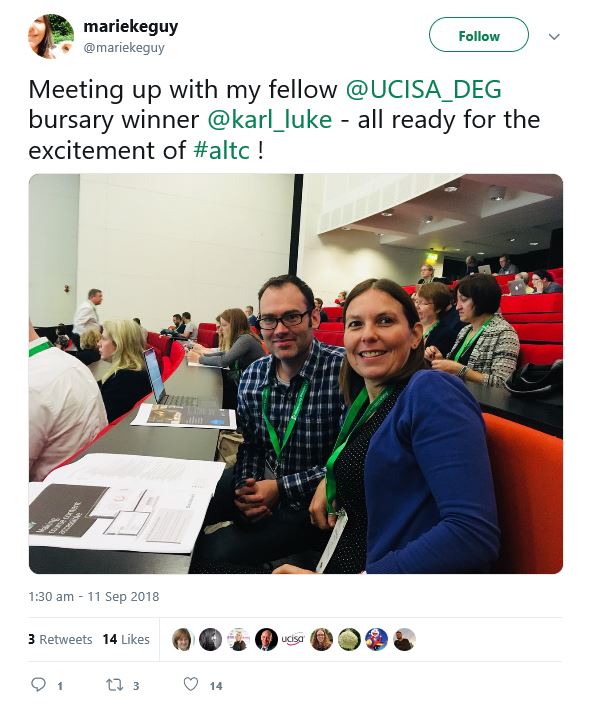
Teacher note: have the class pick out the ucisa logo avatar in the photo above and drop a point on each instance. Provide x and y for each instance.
(293, 638)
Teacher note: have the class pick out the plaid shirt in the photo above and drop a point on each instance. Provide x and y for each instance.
(301, 466)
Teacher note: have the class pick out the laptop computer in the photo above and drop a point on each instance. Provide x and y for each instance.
(485, 269)
(516, 287)
(157, 384)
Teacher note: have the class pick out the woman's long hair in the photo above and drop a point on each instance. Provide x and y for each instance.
(44, 47)
(238, 325)
(128, 341)
(350, 382)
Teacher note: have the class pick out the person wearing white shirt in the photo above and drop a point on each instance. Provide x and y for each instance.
(65, 407)
(87, 316)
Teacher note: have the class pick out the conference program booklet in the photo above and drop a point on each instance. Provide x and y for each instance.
(123, 502)
(184, 416)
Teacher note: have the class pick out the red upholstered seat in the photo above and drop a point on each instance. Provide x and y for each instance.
(527, 474)
(538, 332)
(338, 327)
(330, 337)
(207, 335)
(533, 317)
(543, 303)
(162, 342)
(539, 354)
(409, 289)
(334, 313)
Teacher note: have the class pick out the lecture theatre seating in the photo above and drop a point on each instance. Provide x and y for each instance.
(334, 313)
(527, 473)
(538, 332)
(207, 335)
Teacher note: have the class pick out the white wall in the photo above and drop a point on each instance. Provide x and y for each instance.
(338, 260)
(161, 244)
(53, 247)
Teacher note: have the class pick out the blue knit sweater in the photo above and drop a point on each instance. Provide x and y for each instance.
(429, 489)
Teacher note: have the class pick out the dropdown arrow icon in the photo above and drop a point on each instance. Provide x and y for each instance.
(554, 37)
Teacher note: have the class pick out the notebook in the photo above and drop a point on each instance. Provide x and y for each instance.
(484, 269)
(157, 384)
(516, 287)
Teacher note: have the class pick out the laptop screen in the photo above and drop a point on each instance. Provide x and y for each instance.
(155, 376)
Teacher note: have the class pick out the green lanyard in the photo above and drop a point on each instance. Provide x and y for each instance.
(346, 431)
(426, 334)
(291, 422)
(466, 342)
(39, 348)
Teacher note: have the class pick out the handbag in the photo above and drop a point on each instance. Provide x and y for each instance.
(536, 380)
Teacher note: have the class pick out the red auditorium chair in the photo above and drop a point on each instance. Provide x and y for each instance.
(409, 289)
(533, 318)
(527, 474)
(558, 275)
(539, 354)
(334, 313)
(163, 342)
(538, 332)
(207, 335)
(338, 327)
(544, 303)
(330, 337)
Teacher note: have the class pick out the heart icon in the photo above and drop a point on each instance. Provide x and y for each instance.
(190, 683)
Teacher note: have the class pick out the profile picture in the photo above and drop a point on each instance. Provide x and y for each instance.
(376, 639)
(404, 639)
(238, 639)
(182, 639)
(321, 639)
(51, 37)
(266, 639)
(349, 639)
(210, 639)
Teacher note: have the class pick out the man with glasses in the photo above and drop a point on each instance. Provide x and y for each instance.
(290, 410)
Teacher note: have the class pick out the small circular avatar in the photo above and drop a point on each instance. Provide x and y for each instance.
(50, 36)
(376, 639)
(238, 639)
(321, 639)
(266, 639)
(404, 639)
(349, 639)
(210, 639)
(182, 639)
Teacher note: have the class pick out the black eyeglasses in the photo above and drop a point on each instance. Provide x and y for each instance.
(289, 320)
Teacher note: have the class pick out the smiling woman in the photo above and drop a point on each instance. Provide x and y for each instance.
(410, 497)
(50, 36)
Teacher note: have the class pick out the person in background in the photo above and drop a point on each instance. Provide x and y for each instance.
(525, 277)
(65, 409)
(143, 331)
(472, 265)
(63, 342)
(486, 350)
(427, 275)
(88, 352)
(323, 317)
(86, 316)
(190, 329)
(410, 468)
(506, 267)
(438, 316)
(543, 282)
(126, 381)
(341, 298)
(240, 347)
(251, 318)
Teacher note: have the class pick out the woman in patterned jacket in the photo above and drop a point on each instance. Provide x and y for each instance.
(486, 350)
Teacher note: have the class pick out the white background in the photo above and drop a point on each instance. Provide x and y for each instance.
(335, 42)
